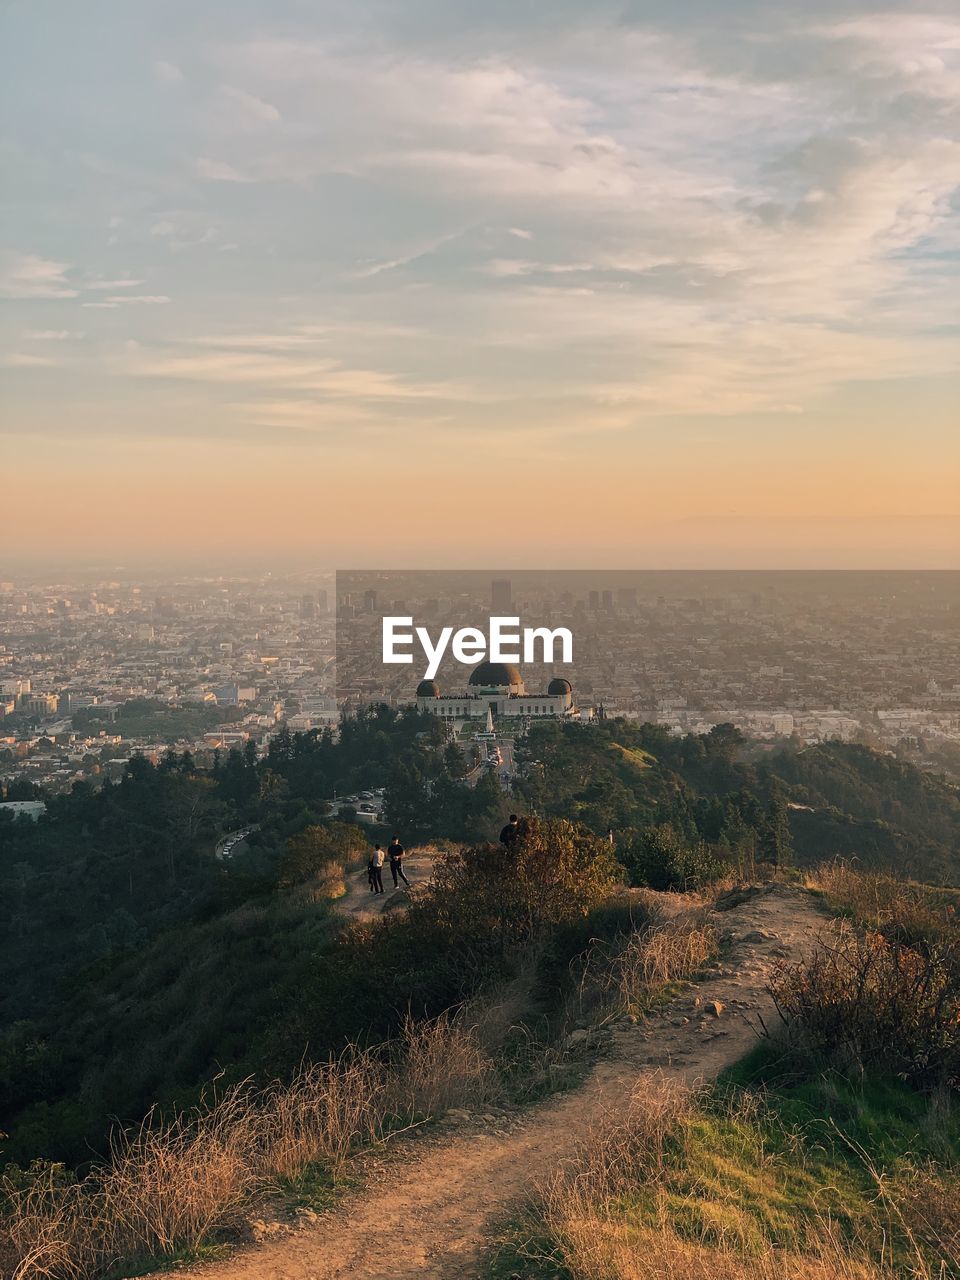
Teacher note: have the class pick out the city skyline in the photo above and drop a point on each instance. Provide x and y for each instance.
(440, 284)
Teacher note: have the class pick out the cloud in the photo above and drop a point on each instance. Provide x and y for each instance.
(167, 72)
(269, 361)
(49, 335)
(248, 106)
(217, 171)
(608, 214)
(126, 299)
(21, 360)
(423, 250)
(105, 285)
(26, 275)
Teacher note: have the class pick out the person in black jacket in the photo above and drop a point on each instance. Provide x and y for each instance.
(395, 853)
(510, 832)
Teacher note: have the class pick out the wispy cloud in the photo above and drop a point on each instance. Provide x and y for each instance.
(127, 299)
(23, 360)
(167, 72)
(247, 106)
(27, 275)
(217, 170)
(107, 285)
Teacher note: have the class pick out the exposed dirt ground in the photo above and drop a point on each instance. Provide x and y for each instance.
(428, 1208)
(359, 901)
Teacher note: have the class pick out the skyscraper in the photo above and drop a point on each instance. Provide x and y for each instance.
(501, 596)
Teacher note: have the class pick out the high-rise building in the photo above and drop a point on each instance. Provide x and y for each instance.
(322, 602)
(501, 596)
(308, 607)
(370, 601)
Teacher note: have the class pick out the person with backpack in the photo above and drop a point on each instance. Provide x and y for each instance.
(376, 859)
(395, 851)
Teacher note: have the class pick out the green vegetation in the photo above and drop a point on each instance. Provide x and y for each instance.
(149, 718)
(727, 801)
(753, 1179)
(138, 966)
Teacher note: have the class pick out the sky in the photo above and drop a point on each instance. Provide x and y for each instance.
(432, 282)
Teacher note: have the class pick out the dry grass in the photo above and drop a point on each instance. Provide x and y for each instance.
(927, 1201)
(587, 1214)
(172, 1185)
(596, 1247)
(653, 958)
(322, 1114)
(878, 899)
(444, 1065)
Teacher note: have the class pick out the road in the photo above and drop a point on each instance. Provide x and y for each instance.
(229, 844)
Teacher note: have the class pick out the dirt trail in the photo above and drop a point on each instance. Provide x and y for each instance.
(360, 902)
(427, 1210)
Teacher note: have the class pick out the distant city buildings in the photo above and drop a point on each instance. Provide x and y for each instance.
(501, 596)
(94, 670)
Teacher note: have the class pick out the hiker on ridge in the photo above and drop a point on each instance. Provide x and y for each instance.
(377, 860)
(510, 832)
(395, 852)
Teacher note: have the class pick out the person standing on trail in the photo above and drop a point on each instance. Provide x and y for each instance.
(377, 860)
(395, 851)
(371, 880)
(510, 832)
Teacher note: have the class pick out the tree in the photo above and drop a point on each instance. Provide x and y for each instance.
(776, 842)
(660, 858)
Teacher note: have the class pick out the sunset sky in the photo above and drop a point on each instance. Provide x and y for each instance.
(433, 282)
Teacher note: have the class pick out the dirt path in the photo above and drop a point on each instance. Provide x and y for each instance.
(360, 902)
(427, 1211)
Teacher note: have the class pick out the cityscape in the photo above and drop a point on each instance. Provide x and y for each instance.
(97, 668)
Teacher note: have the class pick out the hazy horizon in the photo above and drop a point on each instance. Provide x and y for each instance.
(446, 284)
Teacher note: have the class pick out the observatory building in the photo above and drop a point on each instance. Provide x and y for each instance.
(497, 687)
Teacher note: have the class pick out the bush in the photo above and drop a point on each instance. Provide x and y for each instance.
(659, 858)
(554, 872)
(869, 1000)
(318, 849)
(571, 943)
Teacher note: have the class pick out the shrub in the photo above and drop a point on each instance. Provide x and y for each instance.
(316, 850)
(866, 1000)
(571, 943)
(661, 859)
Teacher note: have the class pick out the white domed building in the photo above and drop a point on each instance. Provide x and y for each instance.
(497, 687)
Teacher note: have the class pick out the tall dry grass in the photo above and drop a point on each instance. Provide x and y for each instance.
(878, 899)
(585, 1212)
(173, 1184)
(444, 1065)
(597, 1247)
(650, 960)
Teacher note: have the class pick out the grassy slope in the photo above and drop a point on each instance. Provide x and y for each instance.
(764, 1162)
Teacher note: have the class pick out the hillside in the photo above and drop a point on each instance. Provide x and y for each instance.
(138, 966)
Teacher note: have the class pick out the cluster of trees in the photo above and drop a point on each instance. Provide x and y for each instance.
(151, 718)
(717, 797)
